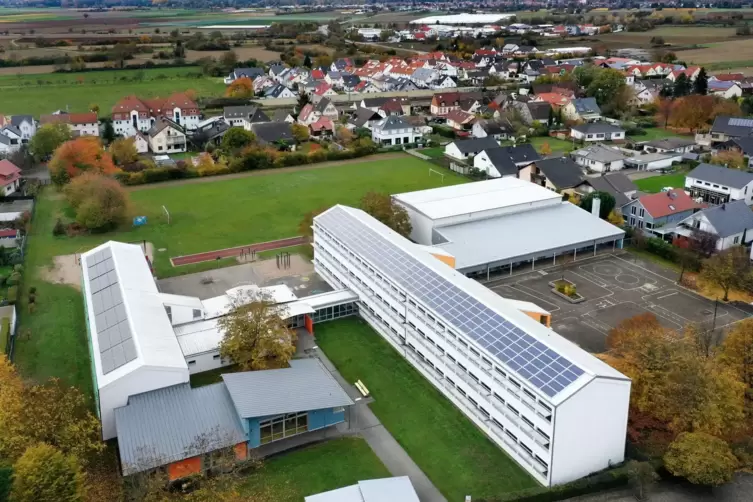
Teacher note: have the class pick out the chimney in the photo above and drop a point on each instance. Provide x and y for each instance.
(595, 206)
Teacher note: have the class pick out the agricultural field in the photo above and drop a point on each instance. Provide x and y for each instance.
(45, 93)
(208, 214)
(738, 52)
(672, 35)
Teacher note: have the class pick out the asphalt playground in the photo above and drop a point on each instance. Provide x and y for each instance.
(615, 288)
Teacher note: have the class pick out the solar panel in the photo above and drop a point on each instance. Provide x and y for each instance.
(532, 360)
(116, 345)
(741, 122)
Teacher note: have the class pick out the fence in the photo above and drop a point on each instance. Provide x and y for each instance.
(416, 153)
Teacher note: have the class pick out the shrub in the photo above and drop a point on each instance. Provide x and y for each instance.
(6, 474)
(13, 295)
(58, 229)
(661, 248)
(13, 279)
(32, 290)
(18, 268)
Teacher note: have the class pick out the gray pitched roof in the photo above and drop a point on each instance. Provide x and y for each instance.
(252, 72)
(306, 385)
(476, 144)
(269, 132)
(251, 113)
(600, 153)
(598, 128)
(670, 143)
(321, 105)
(721, 175)
(502, 162)
(13, 129)
(744, 144)
(174, 423)
(363, 115)
(17, 120)
(522, 153)
(562, 172)
(733, 126)
(539, 110)
(393, 122)
(730, 218)
(616, 184)
(586, 106)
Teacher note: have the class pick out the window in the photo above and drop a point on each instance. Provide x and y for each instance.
(196, 313)
(341, 409)
(641, 213)
(216, 356)
(283, 426)
(192, 363)
(737, 239)
(632, 210)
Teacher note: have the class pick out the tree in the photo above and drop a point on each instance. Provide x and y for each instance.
(305, 228)
(240, 88)
(344, 135)
(47, 139)
(307, 61)
(729, 158)
(228, 60)
(692, 112)
(303, 100)
(728, 269)
(12, 434)
(236, 138)
(701, 459)
(682, 86)
(300, 132)
(80, 155)
(324, 60)
(642, 477)
(123, 151)
(664, 108)
(607, 203)
(545, 149)
(702, 242)
(94, 107)
(606, 84)
(729, 107)
(256, 336)
(45, 474)
(108, 132)
(99, 202)
(701, 84)
(737, 355)
(385, 209)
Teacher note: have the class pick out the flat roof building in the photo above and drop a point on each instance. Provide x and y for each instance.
(474, 223)
(558, 411)
(398, 489)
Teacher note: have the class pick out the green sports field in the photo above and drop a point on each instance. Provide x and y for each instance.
(204, 216)
(38, 94)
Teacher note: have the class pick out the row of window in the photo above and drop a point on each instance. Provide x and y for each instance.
(714, 185)
(336, 312)
(283, 426)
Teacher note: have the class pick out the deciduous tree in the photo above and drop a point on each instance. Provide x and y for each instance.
(701, 459)
(47, 139)
(300, 132)
(255, 335)
(545, 149)
(45, 474)
(728, 269)
(99, 202)
(737, 354)
(236, 138)
(383, 208)
(729, 158)
(123, 151)
(240, 88)
(80, 155)
(228, 60)
(692, 112)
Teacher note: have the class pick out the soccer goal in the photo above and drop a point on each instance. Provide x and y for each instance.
(167, 213)
(437, 173)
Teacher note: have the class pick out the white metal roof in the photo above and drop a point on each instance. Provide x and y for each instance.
(463, 19)
(220, 305)
(475, 197)
(150, 329)
(184, 301)
(398, 489)
(490, 240)
(592, 366)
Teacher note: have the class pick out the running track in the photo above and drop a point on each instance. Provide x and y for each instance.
(236, 251)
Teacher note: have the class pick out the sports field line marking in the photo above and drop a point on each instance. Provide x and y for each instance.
(666, 296)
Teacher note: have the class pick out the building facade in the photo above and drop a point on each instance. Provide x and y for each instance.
(558, 411)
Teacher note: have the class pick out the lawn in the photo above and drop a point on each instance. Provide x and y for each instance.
(297, 474)
(656, 183)
(654, 133)
(556, 145)
(434, 153)
(38, 94)
(205, 216)
(457, 457)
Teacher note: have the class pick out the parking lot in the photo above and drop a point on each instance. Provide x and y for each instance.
(615, 288)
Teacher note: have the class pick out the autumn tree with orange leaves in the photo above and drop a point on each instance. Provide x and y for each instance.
(240, 88)
(85, 154)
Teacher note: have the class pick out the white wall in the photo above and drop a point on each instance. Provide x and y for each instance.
(590, 430)
(182, 314)
(422, 225)
(139, 381)
(205, 362)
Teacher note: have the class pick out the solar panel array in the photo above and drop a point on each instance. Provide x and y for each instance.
(116, 344)
(738, 122)
(544, 368)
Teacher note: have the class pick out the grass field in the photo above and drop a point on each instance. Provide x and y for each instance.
(205, 216)
(556, 145)
(297, 474)
(654, 133)
(453, 453)
(435, 153)
(656, 183)
(721, 55)
(45, 93)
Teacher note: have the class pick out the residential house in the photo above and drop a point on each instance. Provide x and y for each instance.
(460, 120)
(718, 184)
(275, 70)
(278, 91)
(80, 124)
(424, 77)
(365, 118)
(585, 109)
(210, 132)
(599, 158)
(335, 79)
(351, 83)
(731, 223)
(664, 209)
(497, 130)
(726, 90)
(560, 174)
(9, 237)
(556, 100)
(597, 131)
(644, 161)
(324, 90)
(533, 111)
(727, 77)
(314, 111)
(387, 106)
(244, 116)
(402, 85)
(499, 162)
(322, 128)
(617, 185)
(444, 102)
(669, 145)
(10, 178)
(394, 130)
(251, 73)
(744, 146)
(261, 85)
(419, 122)
(726, 128)
(274, 133)
(463, 149)
(446, 82)
(182, 428)
(510, 49)
(26, 124)
(10, 139)
(167, 136)
(364, 87)
(342, 64)
(132, 114)
(281, 115)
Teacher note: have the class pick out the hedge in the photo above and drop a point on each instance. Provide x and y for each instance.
(6, 477)
(604, 480)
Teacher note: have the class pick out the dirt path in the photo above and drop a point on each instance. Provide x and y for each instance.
(264, 172)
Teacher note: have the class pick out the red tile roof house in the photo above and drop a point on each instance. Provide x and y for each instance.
(322, 127)
(8, 237)
(10, 178)
(659, 213)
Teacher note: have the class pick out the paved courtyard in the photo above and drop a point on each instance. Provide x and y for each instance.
(615, 288)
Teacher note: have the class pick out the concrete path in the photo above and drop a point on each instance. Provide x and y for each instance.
(366, 424)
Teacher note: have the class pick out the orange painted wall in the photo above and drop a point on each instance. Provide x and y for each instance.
(547, 319)
(241, 451)
(184, 468)
(447, 260)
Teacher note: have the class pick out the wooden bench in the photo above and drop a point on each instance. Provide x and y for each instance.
(362, 388)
